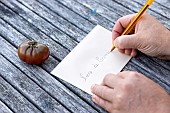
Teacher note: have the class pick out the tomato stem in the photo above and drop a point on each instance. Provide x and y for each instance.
(32, 43)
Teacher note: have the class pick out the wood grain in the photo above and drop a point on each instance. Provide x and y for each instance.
(62, 24)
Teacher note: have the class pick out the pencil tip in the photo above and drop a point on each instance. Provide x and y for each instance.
(112, 49)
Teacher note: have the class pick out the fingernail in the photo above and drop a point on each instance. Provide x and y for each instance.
(94, 98)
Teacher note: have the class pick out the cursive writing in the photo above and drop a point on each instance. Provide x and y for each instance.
(98, 61)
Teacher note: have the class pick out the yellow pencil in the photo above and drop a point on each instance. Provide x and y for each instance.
(135, 20)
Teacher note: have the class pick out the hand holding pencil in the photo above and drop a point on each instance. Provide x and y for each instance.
(135, 20)
(148, 36)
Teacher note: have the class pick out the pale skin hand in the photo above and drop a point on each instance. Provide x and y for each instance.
(130, 92)
(149, 36)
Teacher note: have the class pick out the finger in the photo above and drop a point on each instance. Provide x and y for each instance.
(110, 80)
(103, 92)
(133, 53)
(122, 50)
(115, 34)
(127, 74)
(128, 41)
(128, 51)
(103, 103)
(121, 24)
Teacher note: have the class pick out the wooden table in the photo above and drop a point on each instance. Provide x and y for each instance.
(62, 24)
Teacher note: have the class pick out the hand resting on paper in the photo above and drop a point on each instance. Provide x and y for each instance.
(131, 92)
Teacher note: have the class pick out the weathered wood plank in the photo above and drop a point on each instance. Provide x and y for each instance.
(54, 19)
(114, 7)
(29, 89)
(40, 28)
(99, 17)
(32, 32)
(11, 97)
(136, 7)
(69, 15)
(48, 83)
(112, 16)
(128, 5)
(83, 95)
(137, 64)
(42, 24)
(165, 3)
(4, 108)
(159, 9)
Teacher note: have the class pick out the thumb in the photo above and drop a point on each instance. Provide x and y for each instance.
(127, 41)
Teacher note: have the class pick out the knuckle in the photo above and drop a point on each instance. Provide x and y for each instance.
(133, 74)
(118, 20)
(109, 108)
(119, 98)
(106, 78)
(99, 91)
(101, 102)
(126, 86)
(130, 80)
(102, 92)
(119, 102)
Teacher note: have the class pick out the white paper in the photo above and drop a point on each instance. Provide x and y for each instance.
(91, 60)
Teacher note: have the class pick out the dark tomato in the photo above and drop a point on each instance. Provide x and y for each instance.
(33, 52)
